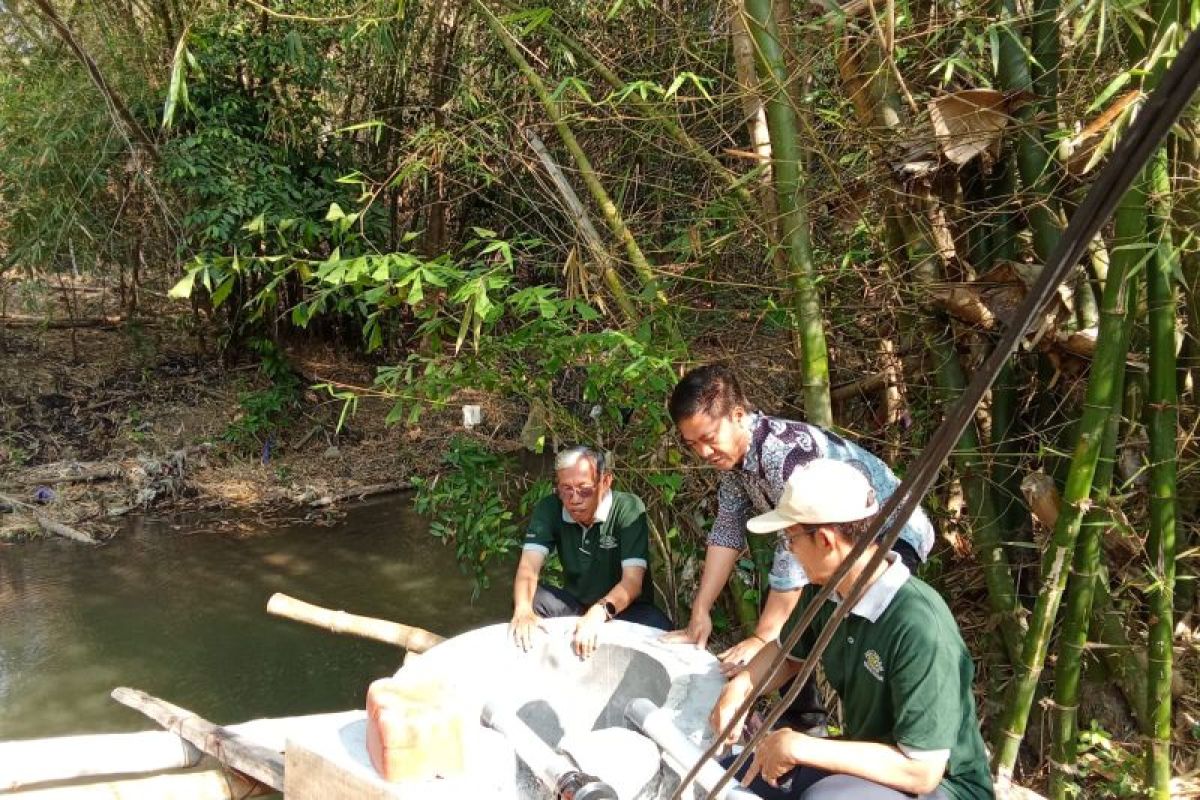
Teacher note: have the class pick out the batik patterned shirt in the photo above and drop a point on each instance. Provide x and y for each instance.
(777, 447)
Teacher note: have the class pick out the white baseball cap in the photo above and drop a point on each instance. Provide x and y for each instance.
(824, 491)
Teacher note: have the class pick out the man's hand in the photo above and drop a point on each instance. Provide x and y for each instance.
(524, 623)
(737, 658)
(587, 631)
(727, 705)
(777, 755)
(697, 631)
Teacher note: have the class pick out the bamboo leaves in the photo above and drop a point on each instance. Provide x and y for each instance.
(177, 90)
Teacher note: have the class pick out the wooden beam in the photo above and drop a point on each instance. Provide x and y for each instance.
(230, 748)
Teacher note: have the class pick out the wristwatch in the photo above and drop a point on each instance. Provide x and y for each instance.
(610, 608)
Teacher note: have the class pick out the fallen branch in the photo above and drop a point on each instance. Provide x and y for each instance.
(232, 749)
(74, 472)
(47, 524)
(359, 493)
(33, 321)
(872, 383)
(412, 639)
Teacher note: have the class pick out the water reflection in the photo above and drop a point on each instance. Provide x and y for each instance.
(181, 615)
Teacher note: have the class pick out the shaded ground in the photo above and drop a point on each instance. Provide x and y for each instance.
(99, 421)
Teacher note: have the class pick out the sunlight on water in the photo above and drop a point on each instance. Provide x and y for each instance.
(181, 615)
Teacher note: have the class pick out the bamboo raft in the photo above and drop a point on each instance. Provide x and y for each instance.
(196, 759)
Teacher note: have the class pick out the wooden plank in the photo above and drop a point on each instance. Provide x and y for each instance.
(228, 747)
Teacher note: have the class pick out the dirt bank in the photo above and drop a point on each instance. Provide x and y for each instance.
(102, 419)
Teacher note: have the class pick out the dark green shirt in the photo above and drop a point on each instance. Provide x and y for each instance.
(592, 558)
(904, 676)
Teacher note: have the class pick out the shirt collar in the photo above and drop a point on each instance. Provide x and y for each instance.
(602, 510)
(752, 422)
(879, 595)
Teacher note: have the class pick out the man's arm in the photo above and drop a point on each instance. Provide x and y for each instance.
(775, 612)
(524, 588)
(622, 595)
(750, 681)
(627, 590)
(777, 609)
(718, 566)
(880, 763)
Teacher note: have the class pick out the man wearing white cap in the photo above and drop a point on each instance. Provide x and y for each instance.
(897, 662)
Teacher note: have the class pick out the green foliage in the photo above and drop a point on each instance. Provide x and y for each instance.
(264, 412)
(1107, 768)
(466, 504)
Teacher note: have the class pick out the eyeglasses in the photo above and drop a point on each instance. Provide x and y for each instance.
(582, 492)
(786, 538)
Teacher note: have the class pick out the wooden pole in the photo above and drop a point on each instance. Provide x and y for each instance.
(32, 761)
(415, 640)
(229, 747)
(207, 784)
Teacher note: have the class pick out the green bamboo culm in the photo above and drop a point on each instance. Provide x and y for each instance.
(786, 164)
(1128, 242)
(1015, 73)
(987, 520)
(1098, 405)
(612, 216)
(1161, 420)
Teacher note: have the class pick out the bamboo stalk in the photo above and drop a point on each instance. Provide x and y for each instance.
(659, 117)
(119, 112)
(1098, 406)
(787, 167)
(229, 747)
(416, 640)
(1085, 572)
(583, 224)
(970, 464)
(1125, 663)
(1006, 458)
(34, 761)
(1161, 417)
(612, 215)
(1161, 423)
(986, 520)
(1034, 161)
(203, 784)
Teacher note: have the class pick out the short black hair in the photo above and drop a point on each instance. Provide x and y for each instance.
(712, 389)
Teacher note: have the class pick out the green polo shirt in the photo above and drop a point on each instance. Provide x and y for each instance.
(904, 676)
(592, 558)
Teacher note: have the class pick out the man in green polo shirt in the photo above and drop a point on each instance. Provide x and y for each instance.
(602, 540)
(897, 662)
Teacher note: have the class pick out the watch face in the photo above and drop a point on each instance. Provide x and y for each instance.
(610, 608)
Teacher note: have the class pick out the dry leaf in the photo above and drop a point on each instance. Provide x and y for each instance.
(969, 123)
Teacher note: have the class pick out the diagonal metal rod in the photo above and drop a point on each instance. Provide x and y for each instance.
(1157, 116)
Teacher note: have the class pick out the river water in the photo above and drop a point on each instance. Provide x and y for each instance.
(179, 612)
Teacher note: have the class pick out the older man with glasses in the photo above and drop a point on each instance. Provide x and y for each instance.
(602, 539)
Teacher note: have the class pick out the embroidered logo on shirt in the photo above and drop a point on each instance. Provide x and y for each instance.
(607, 541)
(874, 664)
